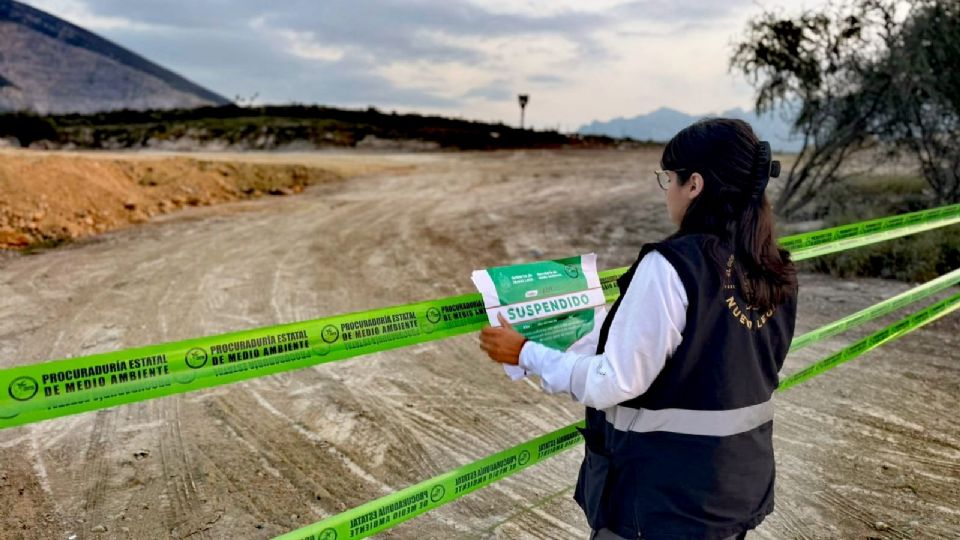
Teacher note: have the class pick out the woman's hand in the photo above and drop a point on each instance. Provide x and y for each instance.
(502, 344)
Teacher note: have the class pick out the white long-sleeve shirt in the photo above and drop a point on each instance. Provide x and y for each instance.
(646, 330)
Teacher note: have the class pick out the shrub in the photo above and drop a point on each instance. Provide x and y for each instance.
(918, 257)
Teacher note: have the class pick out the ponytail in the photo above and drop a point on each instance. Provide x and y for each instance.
(732, 208)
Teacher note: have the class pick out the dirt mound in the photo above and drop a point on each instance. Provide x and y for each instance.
(50, 199)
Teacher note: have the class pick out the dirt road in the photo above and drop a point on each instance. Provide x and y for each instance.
(870, 450)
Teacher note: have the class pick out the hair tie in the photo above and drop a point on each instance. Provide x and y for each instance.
(764, 168)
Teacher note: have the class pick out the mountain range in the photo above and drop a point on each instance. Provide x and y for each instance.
(49, 66)
(663, 123)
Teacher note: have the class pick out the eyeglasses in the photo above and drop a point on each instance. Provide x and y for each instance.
(663, 177)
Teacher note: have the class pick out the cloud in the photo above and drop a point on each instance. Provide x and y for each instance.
(301, 44)
(244, 67)
(461, 57)
(79, 13)
(496, 91)
(400, 52)
(683, 12)
(387, 29)
(545, 79)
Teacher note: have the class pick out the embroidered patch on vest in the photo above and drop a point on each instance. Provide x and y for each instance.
(748, 316)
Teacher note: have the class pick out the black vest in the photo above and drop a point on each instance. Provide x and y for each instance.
(684, 476)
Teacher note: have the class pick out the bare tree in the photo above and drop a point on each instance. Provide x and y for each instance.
(811, 68)
(922, 113)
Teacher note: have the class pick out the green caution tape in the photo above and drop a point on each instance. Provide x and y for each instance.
(844, 237)
(817, 243)
(908, 324)
(38, 392)
(402, 505)
(877, 310)
(393, 509)
(41, 391)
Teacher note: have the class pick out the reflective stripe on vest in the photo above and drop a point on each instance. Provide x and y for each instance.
(689, 421)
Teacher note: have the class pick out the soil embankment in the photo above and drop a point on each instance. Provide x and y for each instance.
(48, 199)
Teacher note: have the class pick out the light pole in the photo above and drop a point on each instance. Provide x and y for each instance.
(524, 98)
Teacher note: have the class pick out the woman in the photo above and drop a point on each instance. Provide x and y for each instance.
(679, 412)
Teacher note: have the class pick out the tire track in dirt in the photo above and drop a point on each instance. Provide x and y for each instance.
(188, 515)
(96, 471)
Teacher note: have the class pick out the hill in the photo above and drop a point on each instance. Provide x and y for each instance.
(293, 127)
(664, 122)
(48, 65)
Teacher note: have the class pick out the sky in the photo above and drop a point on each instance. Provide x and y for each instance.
(579, 61)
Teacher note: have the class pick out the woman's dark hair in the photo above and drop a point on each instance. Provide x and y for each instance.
(735, 167)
